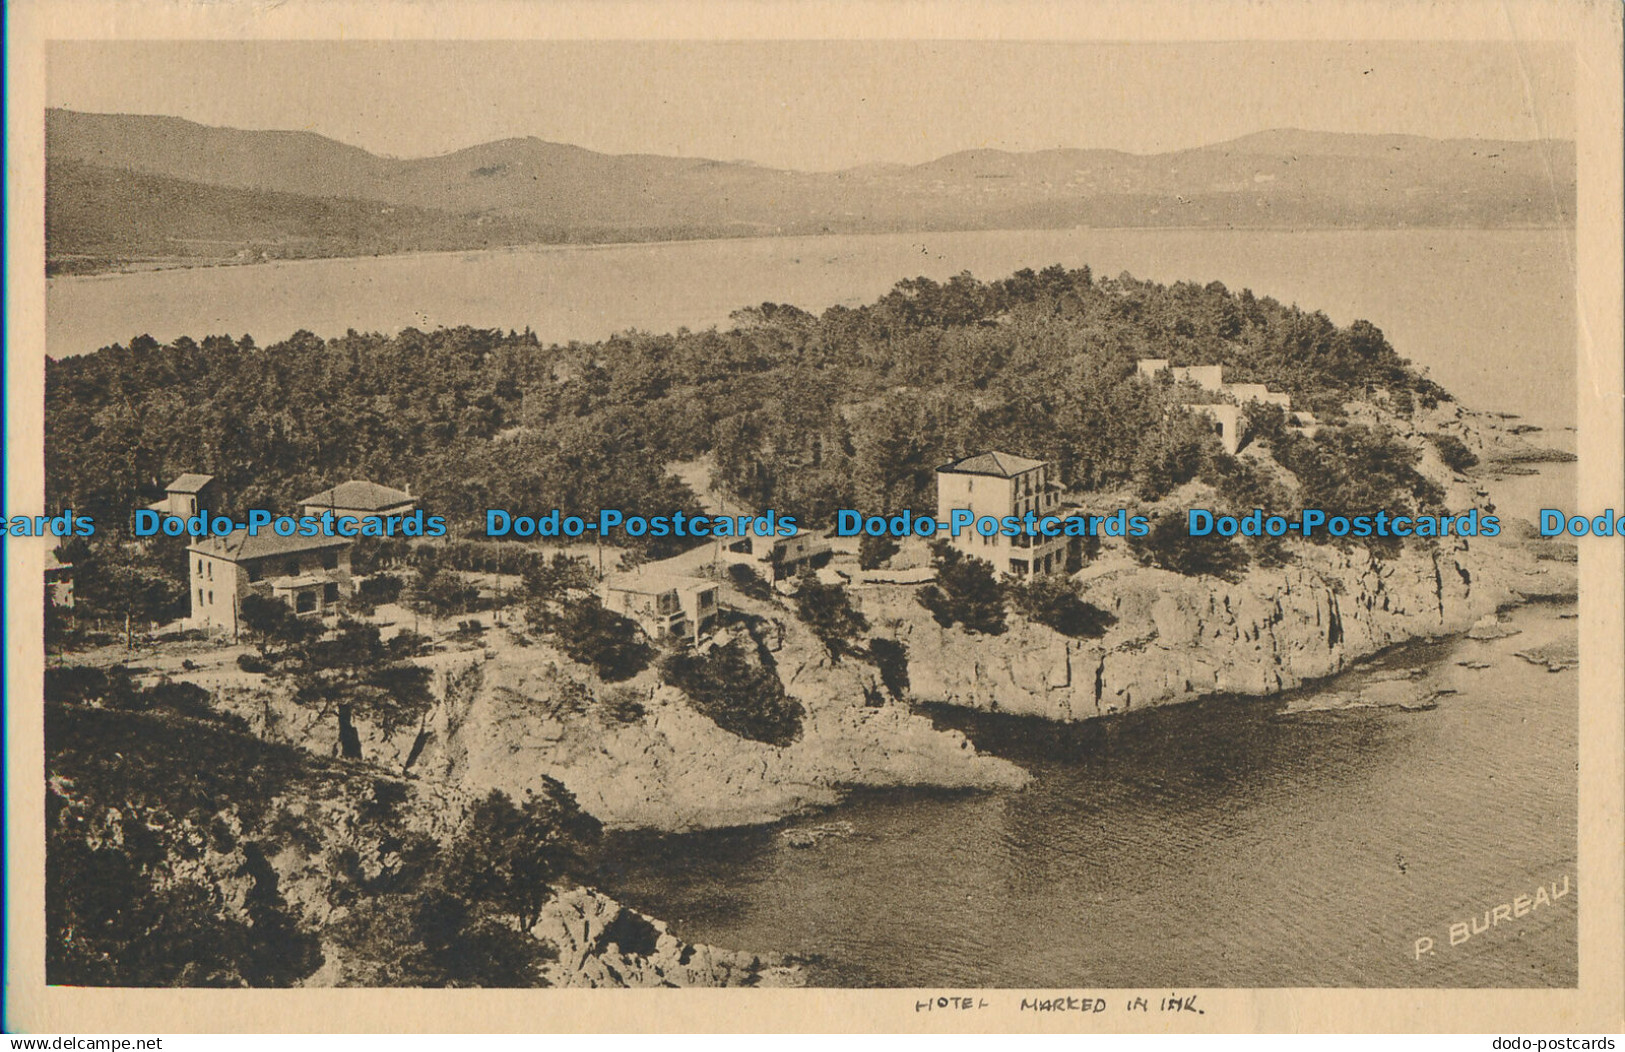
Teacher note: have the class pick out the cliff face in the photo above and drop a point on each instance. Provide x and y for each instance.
(672, 768)
(1179, 638)
(637, 754)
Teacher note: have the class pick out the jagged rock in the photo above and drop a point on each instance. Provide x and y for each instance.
(1490, 627)
(1557, 655)
(505, 722)
(602, 943)
(812, 836)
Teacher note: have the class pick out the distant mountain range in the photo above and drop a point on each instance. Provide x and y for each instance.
(141, 190)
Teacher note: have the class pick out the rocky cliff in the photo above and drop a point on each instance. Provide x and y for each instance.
(637, 754)
(1179, 638)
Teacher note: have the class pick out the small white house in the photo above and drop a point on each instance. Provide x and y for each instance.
(667, 606)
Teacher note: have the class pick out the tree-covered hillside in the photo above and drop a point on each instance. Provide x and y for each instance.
(803, 413)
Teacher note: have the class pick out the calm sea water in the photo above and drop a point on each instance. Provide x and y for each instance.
(1214, 844)
(1490, 313)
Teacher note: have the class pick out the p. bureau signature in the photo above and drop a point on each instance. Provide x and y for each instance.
(1544, 896)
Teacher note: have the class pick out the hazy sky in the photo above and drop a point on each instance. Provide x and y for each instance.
(824, 105)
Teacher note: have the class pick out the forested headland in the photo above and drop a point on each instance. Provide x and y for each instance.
(852, 408)
(805, 413)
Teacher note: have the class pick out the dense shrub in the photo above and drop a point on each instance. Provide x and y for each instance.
(965, 593)
(379, 588)
(1454, 452)
(269, 623)
(621, 705)
(551, 580)
(508, 857)
(82, 684)
(147, 886)
(874, 551)
(113, 688)
(891, 658)
(1053, 600)
(741, 695)
(750, 583)
(1171, 547)
(611, 644)
(827, 610)
(1172, 454)
(1243, 485)
(440, 592)
(1358, 470)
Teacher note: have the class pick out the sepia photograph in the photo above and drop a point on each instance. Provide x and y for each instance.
(872, 515)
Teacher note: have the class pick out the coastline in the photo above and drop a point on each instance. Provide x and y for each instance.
(135, 267)
(498, 722)
(1180, 639)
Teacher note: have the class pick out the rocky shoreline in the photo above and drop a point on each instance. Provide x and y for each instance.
(515, 709)
(1177, 639)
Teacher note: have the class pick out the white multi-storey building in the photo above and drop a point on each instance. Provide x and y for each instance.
(1002, 485)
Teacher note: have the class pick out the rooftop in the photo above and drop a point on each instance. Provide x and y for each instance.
(1002, 465)
(237, 546)
(654, 583)
(302, 581)
(189, 483)
(360, 495)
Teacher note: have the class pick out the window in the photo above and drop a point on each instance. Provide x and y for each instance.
(200, 597)
(291, 567)
(211, 597)
(253, 570)
(1018, 566)
(330, 594)
(200, 567)
(330, 558)
(208, 570)
(305, 602)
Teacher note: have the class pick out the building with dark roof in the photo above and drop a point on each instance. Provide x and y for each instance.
(310, 574)
(999, 465)
(360, 498)
(999, 485)
(786, 556)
